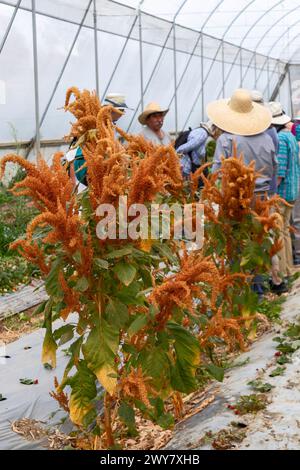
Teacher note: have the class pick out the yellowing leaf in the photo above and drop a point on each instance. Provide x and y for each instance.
(49, 352)
(78, 412)
(107, 382)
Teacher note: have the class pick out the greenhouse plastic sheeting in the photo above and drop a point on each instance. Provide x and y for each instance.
(28, 401)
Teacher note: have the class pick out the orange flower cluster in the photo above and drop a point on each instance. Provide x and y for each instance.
(236, 193)
(140, 170)
(136, 386)
(85, 108)
(61, 397)
(180, 289)
(228, 329)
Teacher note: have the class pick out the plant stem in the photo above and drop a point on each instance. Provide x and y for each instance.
(107, 421)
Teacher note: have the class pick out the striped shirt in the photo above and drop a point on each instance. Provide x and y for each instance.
(288, 166)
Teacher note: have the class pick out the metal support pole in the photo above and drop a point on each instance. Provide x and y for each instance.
(291, 92)
(223, 70)
(9, 26)
(268, 78)
(141, 54)
(202, 80)
(241, 69)
(96, 48)
(36, 79)
(65, 63)
(175, 78)
(36, 137)
(119, 58)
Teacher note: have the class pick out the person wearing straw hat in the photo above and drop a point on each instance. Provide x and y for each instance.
(288, 180)
(245, 122)
(152, 118)
(117, 100)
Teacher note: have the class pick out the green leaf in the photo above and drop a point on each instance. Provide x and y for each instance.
(187, 359)
(100, 351)
(125, 272)
(28, 382)
(165, 251)
(278, 372)
(138, 324)
(127, 416)
(166, 421)
(155, 363)
(83, 392)
(82, 285)
(119, 253)
(52, 283)
(129, 295)
(77, 257)
(116, 313)
(101, 264)
(216, 372)
(40, 309)
(64, 334)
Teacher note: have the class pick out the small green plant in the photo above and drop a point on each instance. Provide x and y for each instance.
(278, 372)
(271, 309)
(259, 386)
(250, 404)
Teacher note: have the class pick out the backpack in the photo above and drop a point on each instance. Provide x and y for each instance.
(182, 138)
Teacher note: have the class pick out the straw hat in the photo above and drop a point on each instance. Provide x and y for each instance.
(117, 100)
(239, 115)
(279, 117)
(257, 96)
(151, 108)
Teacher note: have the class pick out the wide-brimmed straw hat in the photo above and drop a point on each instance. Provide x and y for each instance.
(239, 115)
(151, 108)
(279, 118)
(117, 100)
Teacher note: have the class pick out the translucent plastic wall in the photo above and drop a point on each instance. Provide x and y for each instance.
(145, 57)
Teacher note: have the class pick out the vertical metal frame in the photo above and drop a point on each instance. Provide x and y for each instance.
(119, 58)
(36, 137)
(2, 44)
(36, 80)
(141, 53)
(96, 47)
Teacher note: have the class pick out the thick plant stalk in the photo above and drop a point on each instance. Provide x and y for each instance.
(107, 421)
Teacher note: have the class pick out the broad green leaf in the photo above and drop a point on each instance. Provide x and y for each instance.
(101, 264)
(138, 324)
(52, 283)
(100, 351)
(119, 253)
(216, 372)
(187, 359)
(116, 313)
(83, 392)
(166, 421)
(127, 416)
(82, 285)
(125, 272)
(64, 334)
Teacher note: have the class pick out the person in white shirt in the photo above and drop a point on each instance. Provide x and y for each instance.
(152, 118)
